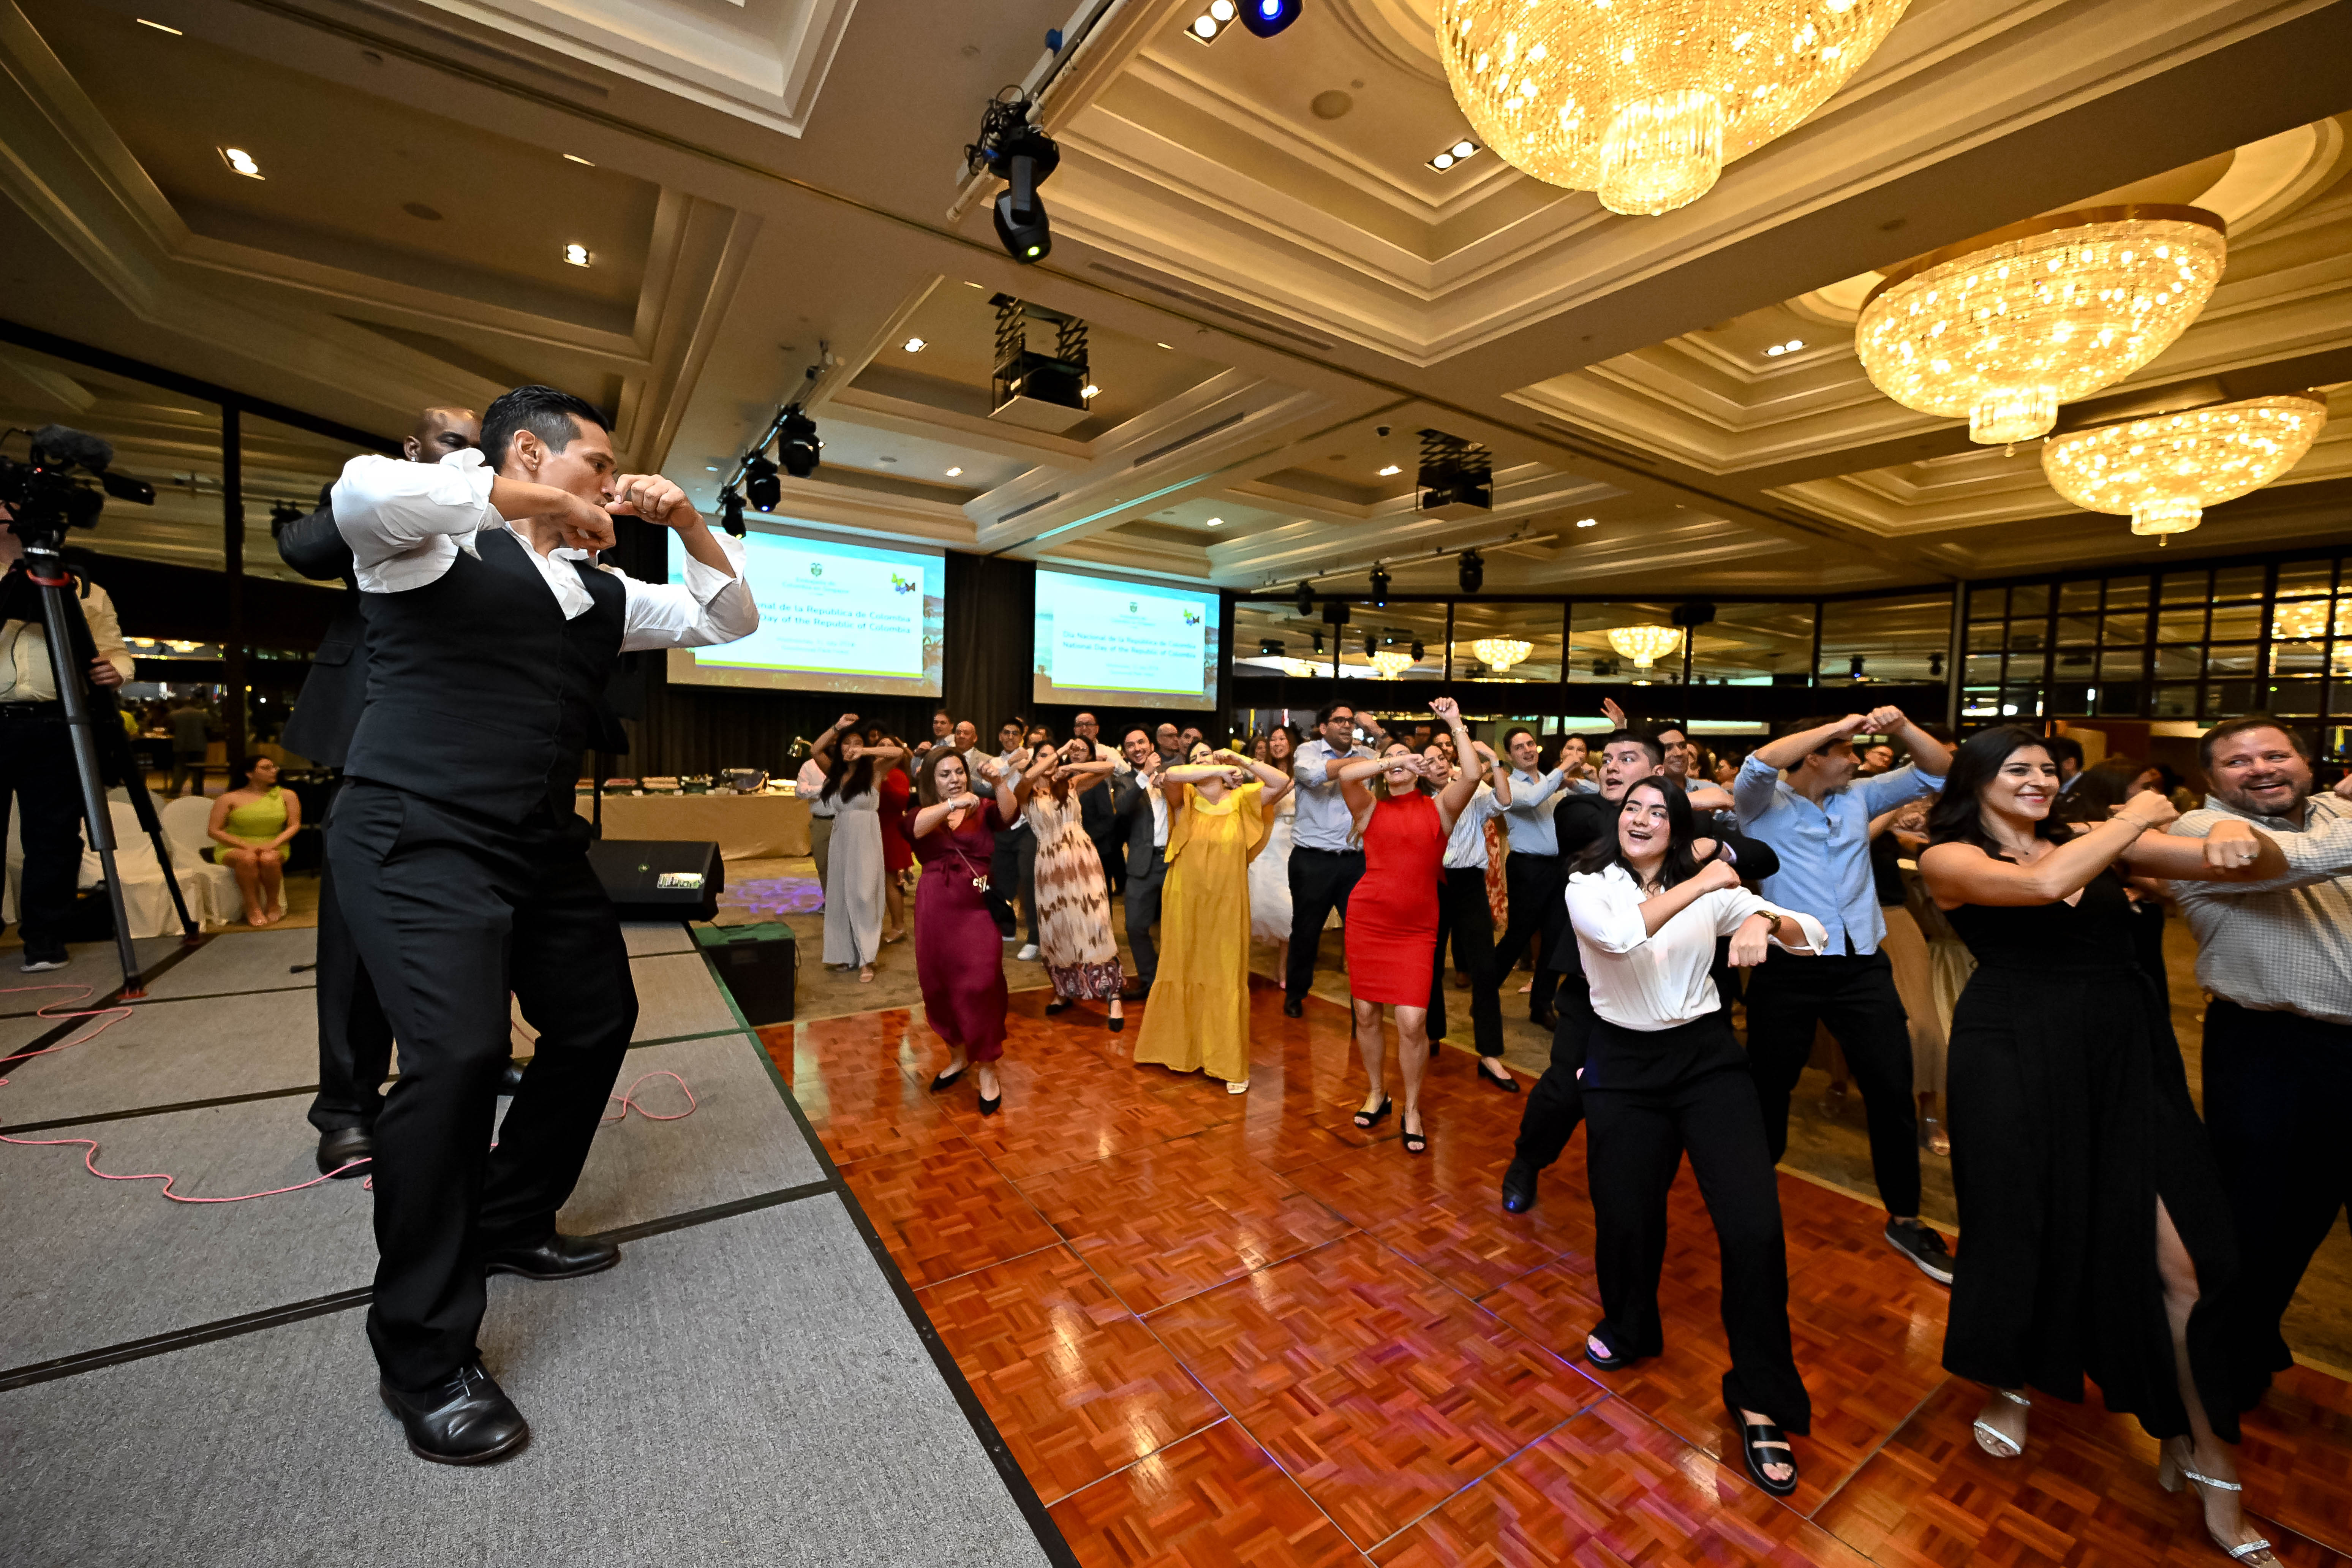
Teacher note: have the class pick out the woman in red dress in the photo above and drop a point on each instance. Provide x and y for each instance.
(1391, 932)
(898, 850)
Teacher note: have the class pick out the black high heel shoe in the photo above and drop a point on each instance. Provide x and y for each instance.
(988, 1106)
(947, 1080)
(1509, 1083)
(1117, 1022)
(1059, 1004)
(1369, 1118)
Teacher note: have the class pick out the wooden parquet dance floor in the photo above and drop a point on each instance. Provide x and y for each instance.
(1222, 1329)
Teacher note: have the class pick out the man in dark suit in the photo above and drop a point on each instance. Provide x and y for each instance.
(1097, 807)
(1139, 818)
(354, 1036)
(2083, 797)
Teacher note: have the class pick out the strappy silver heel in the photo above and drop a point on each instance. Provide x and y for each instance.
(1995, 1441)
(2170, 1472)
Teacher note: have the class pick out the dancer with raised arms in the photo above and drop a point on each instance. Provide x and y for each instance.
(959, 957)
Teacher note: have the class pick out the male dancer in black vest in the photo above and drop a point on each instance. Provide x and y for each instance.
(354, 1036)
(462, 867)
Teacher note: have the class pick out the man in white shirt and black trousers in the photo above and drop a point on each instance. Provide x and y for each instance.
(461, 864)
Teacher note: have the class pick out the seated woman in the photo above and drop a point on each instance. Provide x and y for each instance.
(250, 829)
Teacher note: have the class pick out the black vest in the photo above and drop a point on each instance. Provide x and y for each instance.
(479, 692)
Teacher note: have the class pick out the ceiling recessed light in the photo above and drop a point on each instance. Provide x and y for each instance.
(914, 345)
(953, 472)
(576, 158)
(1445, 157)
(1793, 344)
(1164, 346)
(1090, 390)
(1776, 350)
(1204, 28)
(1216, 522)
(1588, 523)
(161, 28)
(241, 162)
(970, 284)
(709, 468)
(1222, 10)
(1391, 468)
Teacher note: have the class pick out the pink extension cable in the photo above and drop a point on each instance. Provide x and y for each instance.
(114, 1015)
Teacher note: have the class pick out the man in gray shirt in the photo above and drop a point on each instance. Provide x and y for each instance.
(1324, 862)
(2277, 957)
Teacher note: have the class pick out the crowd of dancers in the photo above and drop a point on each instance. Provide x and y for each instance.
(1650, 890)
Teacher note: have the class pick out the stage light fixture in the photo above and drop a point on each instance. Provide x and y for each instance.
(1474, 572)
(731, 512)
(797, 444)
(1420, 651)
(1270, 648)
(1318, 641)
(1854, 667)
(1023, 156)
(1936, 666)
(1371, 644)
(1265, 18)
(1305, 598)
(1380, 589)
(759, 483)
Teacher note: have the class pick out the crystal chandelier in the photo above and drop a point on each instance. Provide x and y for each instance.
(1390, 663)
(2004, 328)
(1645, 645)
(2296, 623)
(2167, 471)
(1498, 653)
(1644, 101)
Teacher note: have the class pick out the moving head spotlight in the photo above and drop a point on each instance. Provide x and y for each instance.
(1266, 18)
(731, 512)
(759, 482)
(796, 445)
(1023, 157)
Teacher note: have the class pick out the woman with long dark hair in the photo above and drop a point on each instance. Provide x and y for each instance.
(959, 957)
(1269, 874)
(1662, 1075)
(2097, 1240)
(1074, 936)
(854, 881)
(1404, 805)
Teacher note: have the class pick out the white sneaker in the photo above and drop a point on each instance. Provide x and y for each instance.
(1028, 953)
(36, 965)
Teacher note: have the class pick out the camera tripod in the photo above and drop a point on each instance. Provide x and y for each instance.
(72, 648)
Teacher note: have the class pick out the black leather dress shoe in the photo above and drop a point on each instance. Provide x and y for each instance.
(353, 1146)
(1518, 1187)
(560, 1256)
(464, 1420)
(510, 1079)
(1291, 1009)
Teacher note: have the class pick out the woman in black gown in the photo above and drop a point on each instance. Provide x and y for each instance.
(2095, 1238)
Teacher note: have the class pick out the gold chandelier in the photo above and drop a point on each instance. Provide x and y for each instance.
(2166, 471)
(1498, 653)
(1645, 645)
(2004, 328)
(1392, 663)
(1644, 101)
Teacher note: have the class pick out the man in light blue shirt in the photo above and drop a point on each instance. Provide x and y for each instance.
(1532, 876)
(1325, 861)
(1799, 793)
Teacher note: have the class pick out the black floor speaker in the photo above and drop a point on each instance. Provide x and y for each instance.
(659, 878)
(758, 965)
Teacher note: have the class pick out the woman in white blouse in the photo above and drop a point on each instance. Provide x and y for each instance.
(1663, 1074)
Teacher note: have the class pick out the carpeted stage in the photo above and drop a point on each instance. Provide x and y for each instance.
(192, 1385)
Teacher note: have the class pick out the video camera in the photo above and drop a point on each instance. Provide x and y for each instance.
(49, 495)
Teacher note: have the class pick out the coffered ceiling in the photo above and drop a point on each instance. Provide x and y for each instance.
(1281, 292)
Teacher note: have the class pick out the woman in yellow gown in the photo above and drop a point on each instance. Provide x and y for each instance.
(1198, 1018)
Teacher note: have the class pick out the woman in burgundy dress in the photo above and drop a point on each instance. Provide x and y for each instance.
(959, 957)
(1391, 932)
(897, 791)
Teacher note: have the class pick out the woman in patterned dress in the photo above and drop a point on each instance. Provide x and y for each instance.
(1074, 931)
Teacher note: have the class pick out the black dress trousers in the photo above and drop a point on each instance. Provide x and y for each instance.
(1556, 1104)
(1855, 997)
(2276, 1087)
(1320, 881)
(1538, 885)
(354, 1036)
(451, 913)
(1650, 1098)
(36, 766)
(1463, 914)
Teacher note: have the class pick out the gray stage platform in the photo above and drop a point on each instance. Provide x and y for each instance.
(193, 1384)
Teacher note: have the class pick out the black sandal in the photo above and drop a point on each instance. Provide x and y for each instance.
(1614, 1359)
(1059, 1004)
(1414, 1143)
(1367, 1119)
(1756, 1441)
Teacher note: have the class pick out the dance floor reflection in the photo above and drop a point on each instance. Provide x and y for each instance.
(1236, 1330)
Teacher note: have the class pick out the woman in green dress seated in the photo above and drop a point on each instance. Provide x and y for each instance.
(250, 829)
